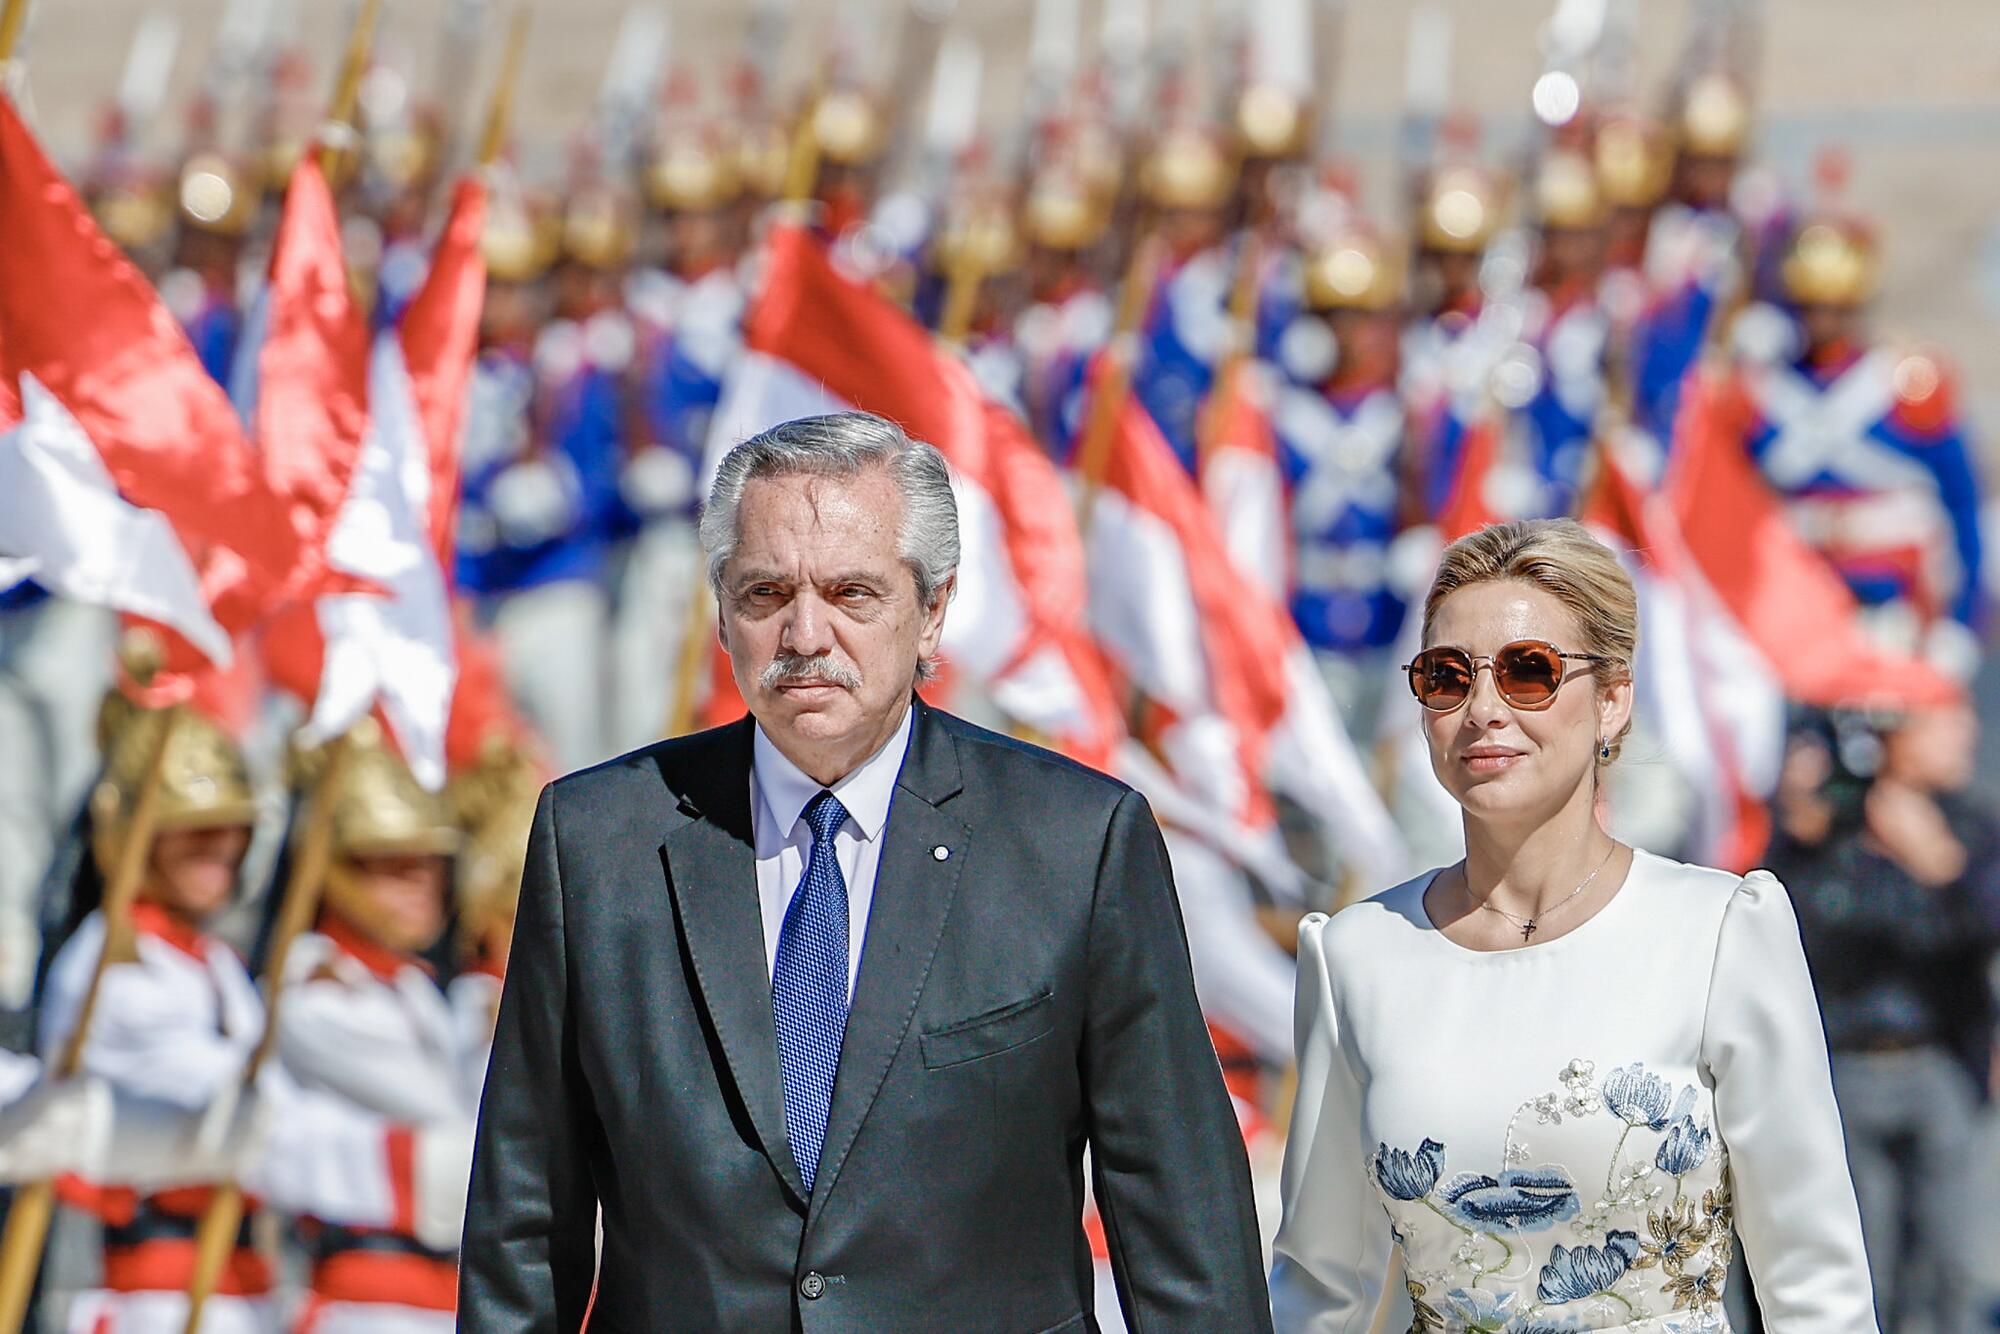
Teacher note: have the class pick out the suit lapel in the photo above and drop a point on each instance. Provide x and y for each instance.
(913, 897)
(711, 864)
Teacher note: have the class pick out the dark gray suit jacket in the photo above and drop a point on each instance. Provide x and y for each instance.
(1021, 996)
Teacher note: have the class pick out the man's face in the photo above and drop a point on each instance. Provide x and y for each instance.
(820, 616)
(193, 871)
(397, 898)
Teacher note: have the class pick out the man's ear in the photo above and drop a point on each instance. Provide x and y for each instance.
(933, 631)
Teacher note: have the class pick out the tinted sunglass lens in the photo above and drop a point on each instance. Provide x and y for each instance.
(1528, 674)
(1440, 678)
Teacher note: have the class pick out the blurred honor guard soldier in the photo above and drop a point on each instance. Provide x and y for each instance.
(215, 206)
(1865, 442)
(365, 1021)
(1346, 461)
(688, 313)
(177, 1015)
(544, 447)
(820, 1010)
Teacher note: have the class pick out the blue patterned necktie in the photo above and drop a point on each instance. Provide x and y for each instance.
(809, 988)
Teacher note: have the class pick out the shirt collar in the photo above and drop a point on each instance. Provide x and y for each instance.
(785, 789)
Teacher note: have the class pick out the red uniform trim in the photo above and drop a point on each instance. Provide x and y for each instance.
(150, 919)
(167, 1265)
(377, 958)
(384, 1276)
(401, 1147)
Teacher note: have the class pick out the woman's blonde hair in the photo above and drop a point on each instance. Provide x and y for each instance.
(1560, 557)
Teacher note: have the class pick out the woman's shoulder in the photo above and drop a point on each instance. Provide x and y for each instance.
(1361, 929)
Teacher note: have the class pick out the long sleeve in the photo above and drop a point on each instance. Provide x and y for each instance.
(529, 1257)
(1172, 1181)
(1332, 1251)
(1766, 1053)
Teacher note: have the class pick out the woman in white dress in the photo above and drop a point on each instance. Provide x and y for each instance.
(1563, 1077)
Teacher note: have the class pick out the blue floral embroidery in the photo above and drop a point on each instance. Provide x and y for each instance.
(1529, 1199)
(1684, 1149)
(1641, 1099)
(1481, 1310)
(1541, 1324)
(1574, 1273)
(1409, 1176)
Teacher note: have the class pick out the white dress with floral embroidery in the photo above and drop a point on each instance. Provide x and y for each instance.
(1572, 1135)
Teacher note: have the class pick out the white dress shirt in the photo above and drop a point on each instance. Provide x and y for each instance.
(779, 793)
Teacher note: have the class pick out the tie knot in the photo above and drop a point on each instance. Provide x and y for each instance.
(824, 814)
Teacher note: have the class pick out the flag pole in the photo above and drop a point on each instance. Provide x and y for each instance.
(1114, 381)
(340, 116)
(501, 110)
(34, 1203)
(222, 1219)
(13, 17)
(1244, 298)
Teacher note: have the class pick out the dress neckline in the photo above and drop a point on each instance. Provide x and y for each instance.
(1421, 916)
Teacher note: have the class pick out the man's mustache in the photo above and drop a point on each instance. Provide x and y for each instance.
(792, 669)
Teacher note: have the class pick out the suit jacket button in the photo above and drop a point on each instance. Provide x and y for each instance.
(813, 1286)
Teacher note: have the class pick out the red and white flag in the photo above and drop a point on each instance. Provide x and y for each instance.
(125, 479)
(1784, 596)
(1243, 480)
(818, 341)
(365, 435)
(1240, 709)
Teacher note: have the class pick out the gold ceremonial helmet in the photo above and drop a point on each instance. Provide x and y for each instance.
(1187, 168)
(203, 782)
(1635, 163)
(493, 800)
(407, 154)
(982, 237)
(1460, 210)
(1567, 193)
(849, 128)
(215, 196)
(1272, 123)
(1714, 116)
(519, 239)
(1061, 211)
(133, 211)
(690, 172)
(763, 153)
(1830, 262)
(598, 230)
(1353, 271)
(379, 807)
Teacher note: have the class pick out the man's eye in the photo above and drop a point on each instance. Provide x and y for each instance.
(855, 592)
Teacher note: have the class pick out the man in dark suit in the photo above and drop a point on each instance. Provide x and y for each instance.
(822, 1009)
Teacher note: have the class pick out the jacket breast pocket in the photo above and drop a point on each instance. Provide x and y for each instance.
(989, 1034)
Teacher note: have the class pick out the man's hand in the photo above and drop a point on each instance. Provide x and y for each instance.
(1913, 831)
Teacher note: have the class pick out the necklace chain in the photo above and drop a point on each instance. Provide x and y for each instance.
(1529, 925)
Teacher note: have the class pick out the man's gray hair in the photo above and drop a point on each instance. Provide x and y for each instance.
(841, 445)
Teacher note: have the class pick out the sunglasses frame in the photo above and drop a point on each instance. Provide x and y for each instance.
(1477, 659)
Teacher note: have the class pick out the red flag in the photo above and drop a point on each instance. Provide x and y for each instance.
(1243, 480)
(817, 340)
(440, 335)
(365, 454)
(1245, 712)
(1465, 509)
(1789, 602)
(83, 323)
(312, 370)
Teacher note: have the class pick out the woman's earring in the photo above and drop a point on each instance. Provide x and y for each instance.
(1603, 749)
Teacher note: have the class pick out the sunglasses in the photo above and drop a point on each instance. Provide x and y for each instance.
(1527, 673)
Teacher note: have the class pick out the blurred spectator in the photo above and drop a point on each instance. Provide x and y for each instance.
(1896, 877)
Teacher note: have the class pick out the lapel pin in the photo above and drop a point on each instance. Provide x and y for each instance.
(940, 852)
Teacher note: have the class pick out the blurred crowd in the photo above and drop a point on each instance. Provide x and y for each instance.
(1531, 324)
